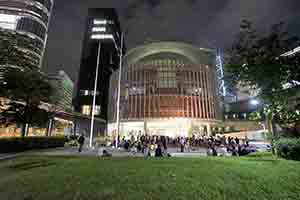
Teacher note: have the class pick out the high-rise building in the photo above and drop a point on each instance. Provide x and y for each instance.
(27, 21)
(102, 40)
(64, 87)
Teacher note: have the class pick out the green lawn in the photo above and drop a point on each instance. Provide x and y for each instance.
(89, 178)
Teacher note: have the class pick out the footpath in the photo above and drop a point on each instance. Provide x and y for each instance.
(6, 156)
(72, 151)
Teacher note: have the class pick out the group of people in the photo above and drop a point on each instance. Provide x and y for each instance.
(148, 145)
(158, 145)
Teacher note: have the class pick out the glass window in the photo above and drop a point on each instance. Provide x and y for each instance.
(167, 79)
(46, 3)
(88, 93)
(86, 109)
(97, 110)
(31, 26)
(38, 12)
(8, 21)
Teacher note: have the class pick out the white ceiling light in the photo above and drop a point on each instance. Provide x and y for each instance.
(102, 22)
(102, 36)
(98, 29)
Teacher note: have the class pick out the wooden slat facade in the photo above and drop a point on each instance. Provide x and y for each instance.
(191, 91)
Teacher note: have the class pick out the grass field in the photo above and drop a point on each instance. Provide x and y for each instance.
(60, 178)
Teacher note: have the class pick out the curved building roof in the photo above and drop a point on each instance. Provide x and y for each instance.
(170, 50)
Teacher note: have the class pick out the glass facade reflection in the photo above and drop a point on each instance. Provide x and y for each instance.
(28, 22)
(167, 81)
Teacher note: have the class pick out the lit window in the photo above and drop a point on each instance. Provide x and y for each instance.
(167, 79)
(86, 110)
(97, 110)
(8, 21)
(103, 22)
(98, 29)
(88, 92)
(102, 36)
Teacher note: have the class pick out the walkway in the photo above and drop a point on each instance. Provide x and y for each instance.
(73, 151)
(6, 156)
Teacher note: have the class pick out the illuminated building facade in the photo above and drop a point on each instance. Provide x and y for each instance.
(102, 27)
(64, 87)
(28, 21)
(167, 88)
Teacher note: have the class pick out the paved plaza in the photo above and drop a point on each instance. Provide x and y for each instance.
(73, 151)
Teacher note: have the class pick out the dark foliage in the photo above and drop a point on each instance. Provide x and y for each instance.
(288, 148)
(17, 144)
(26, 92)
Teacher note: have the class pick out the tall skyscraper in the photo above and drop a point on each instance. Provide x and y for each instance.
(64, 87)
(27, 22)
(102, 40)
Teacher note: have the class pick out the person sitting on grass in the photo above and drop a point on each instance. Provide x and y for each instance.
(106, 154)
(152, 149)
(234, 151)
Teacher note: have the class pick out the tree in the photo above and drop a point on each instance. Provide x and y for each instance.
(22, 84)
(255, 60)
(26, 91)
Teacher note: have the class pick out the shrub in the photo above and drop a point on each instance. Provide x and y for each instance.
(72, 143)
(288, 148)
(17, 144)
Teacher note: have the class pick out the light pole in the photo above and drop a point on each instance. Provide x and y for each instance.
(95, 94)
(119, 91)
(98, 33)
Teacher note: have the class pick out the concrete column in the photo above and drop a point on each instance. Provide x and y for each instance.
(145, 127)
(209, 133)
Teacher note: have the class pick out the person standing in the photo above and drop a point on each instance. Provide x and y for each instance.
(182, 143)
(146, 150)
(237, 140)
(81, 142)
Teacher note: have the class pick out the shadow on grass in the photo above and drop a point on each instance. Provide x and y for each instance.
(31, 165)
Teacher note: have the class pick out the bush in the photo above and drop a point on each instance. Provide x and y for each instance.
(288, 148)
(16, 144)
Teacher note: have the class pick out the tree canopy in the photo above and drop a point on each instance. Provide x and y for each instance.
(255, 60)
(25, 91)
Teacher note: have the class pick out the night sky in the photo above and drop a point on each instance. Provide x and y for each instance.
(205, 23)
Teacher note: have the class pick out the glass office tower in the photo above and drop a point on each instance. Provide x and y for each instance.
(102, 27)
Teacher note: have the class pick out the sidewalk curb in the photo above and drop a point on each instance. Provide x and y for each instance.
(7, 157)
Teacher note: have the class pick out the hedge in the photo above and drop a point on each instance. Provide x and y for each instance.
(288, 148)
(17, 144)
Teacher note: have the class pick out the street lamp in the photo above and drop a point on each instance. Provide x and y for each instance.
(98, 33)
(254, 102)
(119, 91)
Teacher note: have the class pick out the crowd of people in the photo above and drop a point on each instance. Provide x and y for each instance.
(158, 145)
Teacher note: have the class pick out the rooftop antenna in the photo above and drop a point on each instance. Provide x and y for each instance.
(220, 74)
